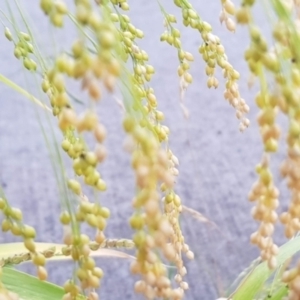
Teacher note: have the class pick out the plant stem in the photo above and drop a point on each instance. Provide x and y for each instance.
(20, 90)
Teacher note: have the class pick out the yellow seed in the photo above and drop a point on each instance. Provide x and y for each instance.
(94, 90)
(78, 49)
(125, 6)
(265, 176)
(74, 186)
(229, 7)
(65, 218)
(91, 220)
(100, 237)
(136, 222)
(289, 275)
(82, 274)
(16, 214)
(45, 85)
(89, 263)
(60, 7)
(46, 6)
(39, 259)
(58, 82)
(42, 273)
(294, 129)
(101, 223)
(29, 244)
(271, 145)
(16, 229)
(98, 272)
(114, 17)
(230, 25)
(56, 19)
(107, 39)
(105, 212)
(94, 281)
(243, 15)
(100, 133)
(101, 185)
(129, 124)
(188, 77)
(67, 118)
(28, 231)
(17, 52)
(6, 225)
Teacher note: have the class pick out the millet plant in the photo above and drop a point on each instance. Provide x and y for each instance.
(106, 59)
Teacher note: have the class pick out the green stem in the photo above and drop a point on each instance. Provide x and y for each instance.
(20, 90)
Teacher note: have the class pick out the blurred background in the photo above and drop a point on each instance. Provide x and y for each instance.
(216, 161)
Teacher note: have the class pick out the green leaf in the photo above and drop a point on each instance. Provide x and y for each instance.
(255, 281)
(29, 287)
(280, 293)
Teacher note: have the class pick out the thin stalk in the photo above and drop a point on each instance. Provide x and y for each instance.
(23, 92)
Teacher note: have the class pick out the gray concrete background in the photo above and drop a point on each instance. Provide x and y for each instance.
(216, 160)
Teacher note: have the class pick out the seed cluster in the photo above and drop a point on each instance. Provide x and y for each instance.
(13, 222)
(88, 274)
(172, 209)
(292, 279)
(151, 121)
(142, 73)
(56, 11)
(265, 194)
(23, 48)
(107, 40)
(154, 232)
(213, 53)
(280, 64)
(228, 9)
(172, 37)
(91, 69)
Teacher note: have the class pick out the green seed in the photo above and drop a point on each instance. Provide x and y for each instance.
(101, 185)
(16, 214)
(114, 17)
(101, 223)
(136, 222)
(16, 229)
(107, 39)
(29, 244)
(271, 145)
(46, 6)
(105, 212)
(78, 49)
(28, 232)
(128, 124)
(57, 19)
(6, 225)
(61, 7)
(86, 207)
(2, 203)
(92, 220)
(25, 36)
(125, 6)
(8, 34)
(65, 218)
(74, 186)
(66, 145)
(27, 63)
(17, 52)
